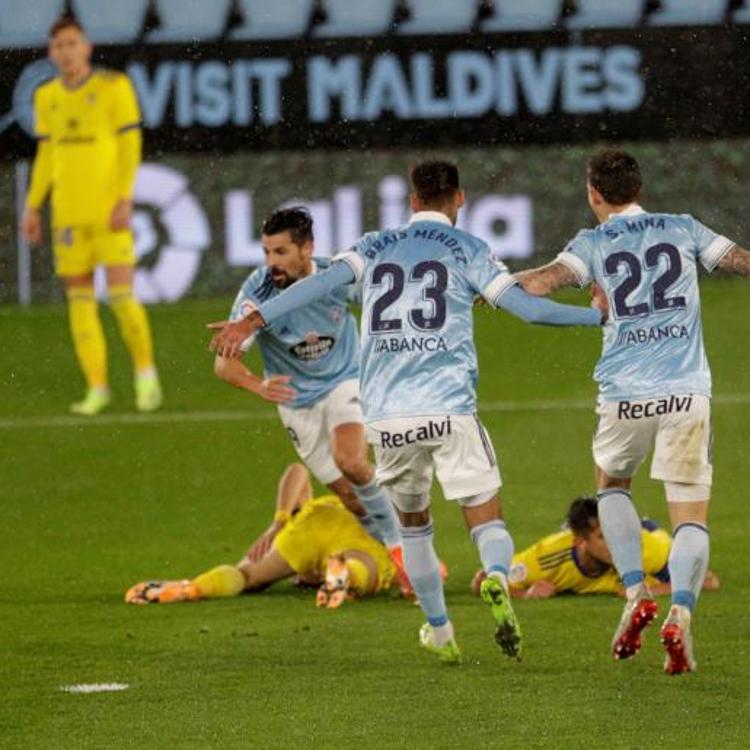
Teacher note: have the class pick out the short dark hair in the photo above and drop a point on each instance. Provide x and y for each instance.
(616, 175)
(435, 181)
(295, 220)
(62, 23)
(583, 515)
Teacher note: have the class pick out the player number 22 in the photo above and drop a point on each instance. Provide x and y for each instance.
(632, 281)
(434, 292)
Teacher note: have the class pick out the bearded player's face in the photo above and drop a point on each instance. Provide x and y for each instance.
(287, 260)
(70, 51)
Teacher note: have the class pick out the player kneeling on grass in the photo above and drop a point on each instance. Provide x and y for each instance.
(576, 560)
(317, 539)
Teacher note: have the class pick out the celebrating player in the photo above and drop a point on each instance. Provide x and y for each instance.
(576, 560)
(311, 369)
(418, 377)
(89, 144)
(654, 384)
(318, 539)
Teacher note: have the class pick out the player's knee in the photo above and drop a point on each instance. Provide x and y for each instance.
(679, 492)
(413, 509)
(355, 467)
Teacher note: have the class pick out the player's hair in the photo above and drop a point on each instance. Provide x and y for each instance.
(435, 181)
(616, 175)
(295, 220)
(62, 23)
(582, 515)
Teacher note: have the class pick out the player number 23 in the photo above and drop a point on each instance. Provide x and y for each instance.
(436, 276)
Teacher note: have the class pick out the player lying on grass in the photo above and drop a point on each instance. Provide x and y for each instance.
(576, 560)
(317, 539)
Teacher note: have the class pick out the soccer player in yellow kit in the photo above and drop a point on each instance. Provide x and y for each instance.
(87, 124)
(317, 539)
(576, 560)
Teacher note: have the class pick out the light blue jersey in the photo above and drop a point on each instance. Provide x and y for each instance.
(419, 284)
(646, 263)
(317, 345)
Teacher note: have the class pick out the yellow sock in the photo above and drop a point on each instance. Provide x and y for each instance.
(359, 575)
(133, 321)
(223, 580)
(88, 335)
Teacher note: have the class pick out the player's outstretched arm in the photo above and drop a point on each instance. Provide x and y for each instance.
(275, 389)
(546, 279)
(540, 311)
(736, 260)
(227, 342)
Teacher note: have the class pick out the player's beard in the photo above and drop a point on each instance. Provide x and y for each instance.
(280, 279)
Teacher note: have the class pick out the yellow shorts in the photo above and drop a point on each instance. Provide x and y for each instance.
(324, 527)
(78, 250)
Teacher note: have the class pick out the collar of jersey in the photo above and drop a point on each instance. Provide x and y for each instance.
(430, 216)
(632, 210)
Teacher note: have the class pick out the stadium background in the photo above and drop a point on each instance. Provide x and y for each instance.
(91, 507)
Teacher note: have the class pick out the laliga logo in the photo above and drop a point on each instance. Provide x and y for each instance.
(171, 233)
(22, 103)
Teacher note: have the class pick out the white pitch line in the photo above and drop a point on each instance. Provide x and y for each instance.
(178, 417)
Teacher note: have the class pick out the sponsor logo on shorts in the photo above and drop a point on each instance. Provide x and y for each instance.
(655, 408)
(314, 347)
(428, 431)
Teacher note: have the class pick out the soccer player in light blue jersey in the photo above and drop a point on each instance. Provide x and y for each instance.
(311, 372)
(654, 384)
(418, 378)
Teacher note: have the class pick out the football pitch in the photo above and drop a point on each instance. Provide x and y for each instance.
(93, 506)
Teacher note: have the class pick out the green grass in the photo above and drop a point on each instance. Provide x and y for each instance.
(89, 510)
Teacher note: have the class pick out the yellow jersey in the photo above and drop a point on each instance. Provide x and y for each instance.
(325, 527)
(554, 559)
(93, 133)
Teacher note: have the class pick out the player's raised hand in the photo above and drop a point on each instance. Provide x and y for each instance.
(122, 215)
(599, 301)
(276, 389)
(229, 336)
(31, 226)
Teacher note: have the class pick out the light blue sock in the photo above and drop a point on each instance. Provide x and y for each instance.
(423, 569)
(495, 546)
(379, 507)
(622, 531)
(688, 563)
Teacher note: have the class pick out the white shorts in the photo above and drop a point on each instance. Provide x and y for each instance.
(457, 447)
(676, 428)
(310, 428)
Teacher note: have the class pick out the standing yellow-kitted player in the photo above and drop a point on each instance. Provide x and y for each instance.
(87, 123)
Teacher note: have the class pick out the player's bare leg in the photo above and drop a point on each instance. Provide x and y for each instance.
(89, 343)
(484, 520)
(350, 452)
(136, 332)
(688, 563)
(622, 531)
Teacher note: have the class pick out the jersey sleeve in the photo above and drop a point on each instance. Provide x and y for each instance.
(709, 246)
(488, 276)
(356, 257)
(578, 256)
(525, 569)
(656, 544)
(42, 125)
(248, 299)
(126, 114)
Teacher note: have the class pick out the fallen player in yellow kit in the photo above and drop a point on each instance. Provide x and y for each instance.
(576, 560)
(317, 539)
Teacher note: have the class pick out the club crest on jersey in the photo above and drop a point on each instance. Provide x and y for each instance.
(517, 573)
(336, 314)
(314, 347)
(246, 308)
